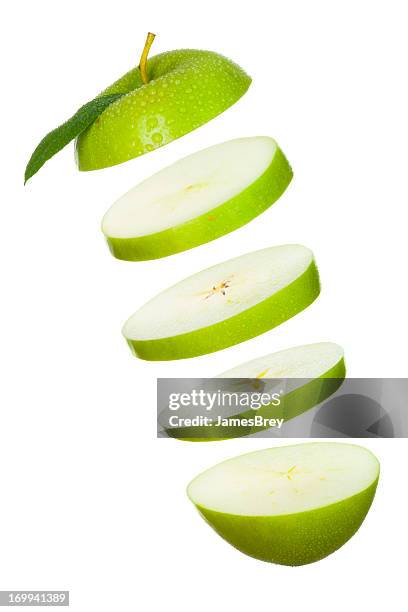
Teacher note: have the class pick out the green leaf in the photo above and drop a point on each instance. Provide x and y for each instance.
(62, 135)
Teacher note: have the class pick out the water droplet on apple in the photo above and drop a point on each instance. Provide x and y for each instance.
(151, 123)
(157, 138)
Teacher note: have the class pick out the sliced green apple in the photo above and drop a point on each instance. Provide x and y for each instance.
(166, 97)
(224, 305)
(289, 505)
(199, 198)
(307, 375)
(322, 359)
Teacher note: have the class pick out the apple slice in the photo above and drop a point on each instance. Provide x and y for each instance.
(307, 375)
(290, 505)
(322, 359)
(199, 198)
(224, 305)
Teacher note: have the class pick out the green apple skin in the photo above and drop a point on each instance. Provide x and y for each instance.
(223, 219)
(186, 89)
(252, 322)
(292, 405)
(294, 539)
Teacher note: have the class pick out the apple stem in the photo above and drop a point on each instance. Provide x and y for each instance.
(143, 58)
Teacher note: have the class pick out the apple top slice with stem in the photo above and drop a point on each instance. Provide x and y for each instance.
(160, 100)
(224, 305)
(290, 505)
(197, 199)
(166, 97)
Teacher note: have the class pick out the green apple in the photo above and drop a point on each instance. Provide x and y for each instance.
(307, 374)
(199, 198)
(167, 96)
(290, 505)
(224, 305)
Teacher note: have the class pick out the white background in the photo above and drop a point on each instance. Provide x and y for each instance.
(90, 500)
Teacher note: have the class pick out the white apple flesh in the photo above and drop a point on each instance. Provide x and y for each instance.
(307, 361)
